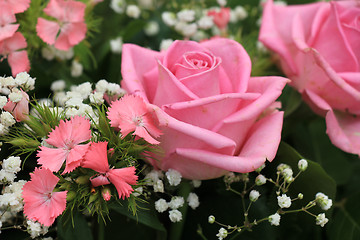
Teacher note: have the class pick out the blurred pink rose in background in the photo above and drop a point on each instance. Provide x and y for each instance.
(214, 117)
(319, 50)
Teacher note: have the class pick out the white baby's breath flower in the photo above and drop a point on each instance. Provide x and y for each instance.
(205, 22)
(175, 216)
(101, 86)
(76, 69)
(3, 101)
(152, 28)
(153, 176)
(6, 176)
(58, 85)
(323, 201)
(186, 15)
(284, 201)
(274, 219)
(96, 97)
(3, 129)
(12, 164)
(211, 219)
(15, 95)
(161, 205)
(174, 177)
(260, 180)
(193, 200)
(254, 195)
(321, 219)
(196, 183)
(158, 186)
(222, 233)
(222, 3)
(133, 11)
(7, 119)
(169, 18)
(176, 202)
(116, 45)
(118, 5)
(165, 44)
(302, 165)
(48, 53)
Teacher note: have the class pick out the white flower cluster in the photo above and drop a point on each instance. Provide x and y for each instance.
(11, 202)
(75, 102)
(286, 172)
(35, 229)
(10, 167)
(194, 23)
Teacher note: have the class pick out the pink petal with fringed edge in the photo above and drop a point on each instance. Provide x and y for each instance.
(74, 11)
(96, 157)
(123, 178)
(99, 181)
(19, 62)
(8, 30)
(7, 15)
(235, 61)
(56, 9)
(142, 133)
(75, 157)
(40, 202)
(51, 158)
(71, 34)
(47, 30)
(70, 132)
(19, 6)
(16, 42)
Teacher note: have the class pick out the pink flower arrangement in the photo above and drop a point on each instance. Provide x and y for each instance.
(66, 139)
(130, 113)
(214, 117)
(12, 43)
(70, 28)
(41, 203)
(122, 178)
(318, 48)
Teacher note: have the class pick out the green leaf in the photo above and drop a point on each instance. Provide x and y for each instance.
(346, 221)
(292, 102)
(147, 217)
(80, 230)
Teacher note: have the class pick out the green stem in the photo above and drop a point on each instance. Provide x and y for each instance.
(101, 230)
(176, 229)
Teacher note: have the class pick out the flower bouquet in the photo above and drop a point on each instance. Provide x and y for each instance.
(145, 119)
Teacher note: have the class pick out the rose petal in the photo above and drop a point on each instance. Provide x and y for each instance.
(136, 65)
(235, 61)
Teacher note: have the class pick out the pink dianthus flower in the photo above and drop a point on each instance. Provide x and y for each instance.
(130, 113)
(66, 139)
(70, 16)
(122, 178)
(40, 202)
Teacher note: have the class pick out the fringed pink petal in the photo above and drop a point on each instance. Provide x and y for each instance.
(51, 158)
(96, 157)
(47, 30)
(123, 178)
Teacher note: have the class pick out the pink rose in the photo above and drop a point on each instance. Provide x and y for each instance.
(319, 49)
(211, 113)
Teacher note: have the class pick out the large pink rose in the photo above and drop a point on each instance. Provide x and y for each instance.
(213, 116)
(319, 50)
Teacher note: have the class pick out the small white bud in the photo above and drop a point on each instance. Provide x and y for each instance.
(274, 219)
(302, 164)
(254, 195)
(321, 219)
(260, 180)
(211, 219)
